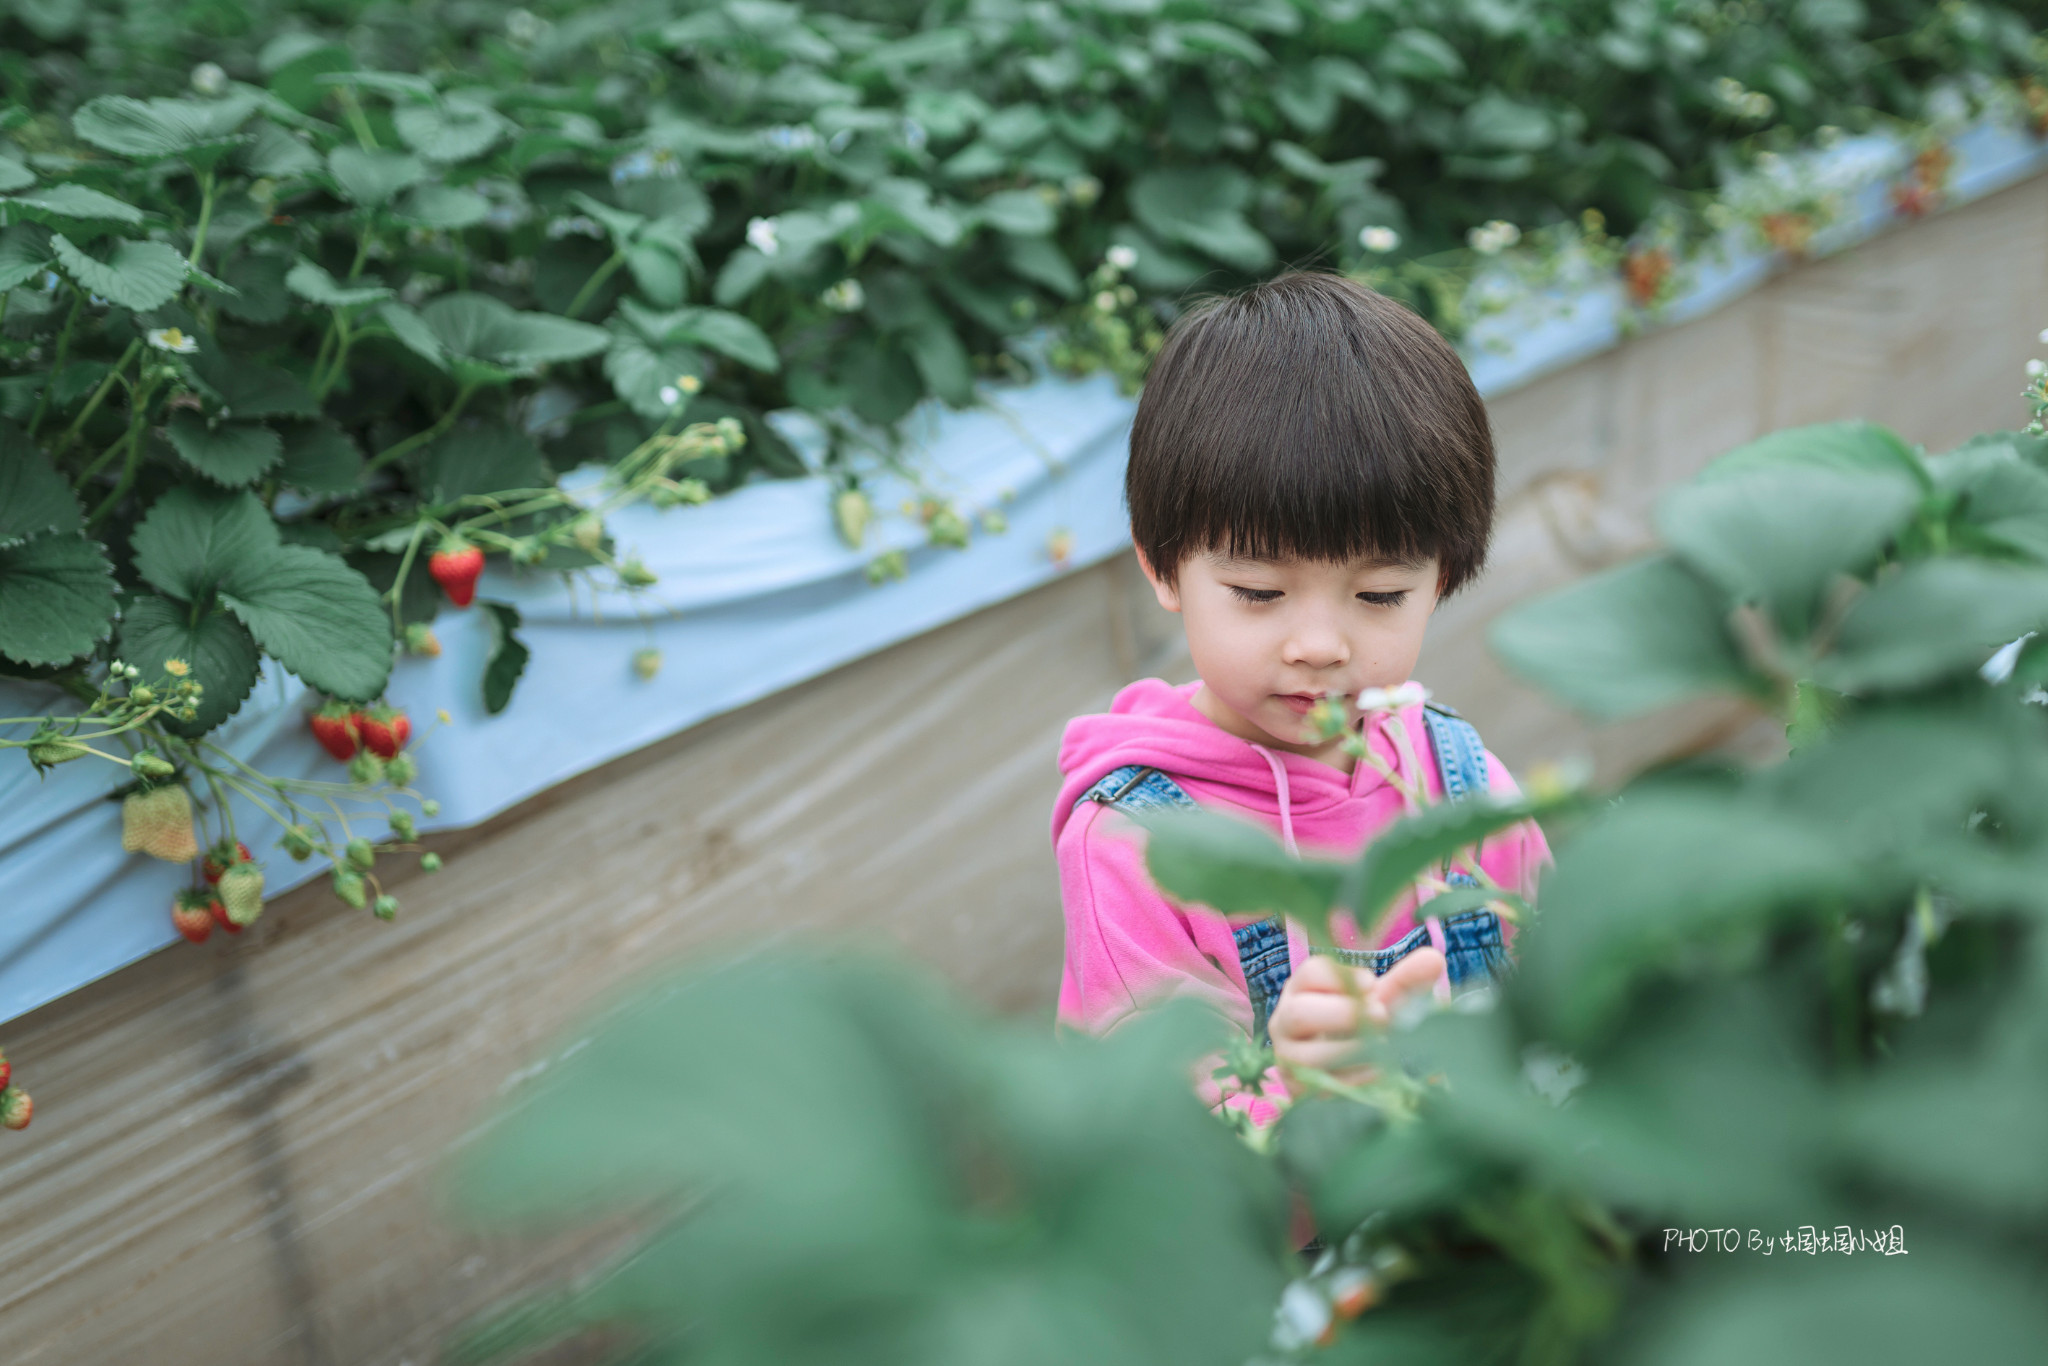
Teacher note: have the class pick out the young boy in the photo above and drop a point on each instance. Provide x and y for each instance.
(1311, 472)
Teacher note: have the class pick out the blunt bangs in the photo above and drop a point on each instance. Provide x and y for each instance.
(1310, 417)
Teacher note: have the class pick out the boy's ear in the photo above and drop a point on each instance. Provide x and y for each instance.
(1167, 593)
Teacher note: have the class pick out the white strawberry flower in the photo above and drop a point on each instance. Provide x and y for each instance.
(1378, 238)
(1122, 257)
(1409, 694)
(845, 297)
(761, 236)
(1492, 238)
(208, 79)
(172, 340)
(2037, 368)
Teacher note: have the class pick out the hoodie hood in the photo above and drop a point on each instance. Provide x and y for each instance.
(1155, 724)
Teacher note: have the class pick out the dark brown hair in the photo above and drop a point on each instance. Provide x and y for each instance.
(1310, 417)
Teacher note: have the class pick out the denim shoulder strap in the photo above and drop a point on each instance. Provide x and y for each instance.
(1473, 947)
(1460, 757)
(1135, 787)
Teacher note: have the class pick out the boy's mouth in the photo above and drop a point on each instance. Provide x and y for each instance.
(1300, 703)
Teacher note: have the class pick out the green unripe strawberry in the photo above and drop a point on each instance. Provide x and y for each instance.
(385, 907)
(351, 888)
(56, 750)
(159, 823)
(152, 765)
(298, 842)
(365, 768)
(361, 856)
(430, 863)
(851, 511)
(399, 770)
(430, 807)
(241, 891)
(401, 826)
(647, 663)
(142, 695)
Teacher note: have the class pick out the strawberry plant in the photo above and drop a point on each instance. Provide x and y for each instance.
(1764, 1086)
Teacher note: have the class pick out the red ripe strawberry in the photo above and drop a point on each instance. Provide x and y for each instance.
(216, 865)
(190, 914)
(455, 567)
(16, 1108)
(335, 728)
(6, 1071)
(219, 911)
(385, 731)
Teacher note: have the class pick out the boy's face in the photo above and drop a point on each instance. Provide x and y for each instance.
(1270, 637)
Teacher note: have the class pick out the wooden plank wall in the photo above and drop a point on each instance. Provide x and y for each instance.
(233, 1155)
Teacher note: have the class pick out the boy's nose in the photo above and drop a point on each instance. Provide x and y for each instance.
(1315, 648)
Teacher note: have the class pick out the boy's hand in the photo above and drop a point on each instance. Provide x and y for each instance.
(1320, 1016)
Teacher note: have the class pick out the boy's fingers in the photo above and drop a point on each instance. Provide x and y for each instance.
(1315, 1014)
(1320, 973)
(1417, 972)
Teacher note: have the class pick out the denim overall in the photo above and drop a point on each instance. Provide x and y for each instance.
(1473, 951)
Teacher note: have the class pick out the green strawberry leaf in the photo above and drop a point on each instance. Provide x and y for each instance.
(198, 131)
(450, 131)
(449, 207)
(412, 332)
(14, 176)
(25, 253)
(508, 656)
(1235, 868)
(274, 153)
(1040, 260)
(320, 458)
(1630, 640)
(1933, 618)
(260, 295)
(56, 597)
(1021, 213)
(34, 498)
(313, 284)
(251, 390)
(715, 329)
(136, 275)
(218, 648)
(231, 454)
(639, 371)
(500, 341)
(317, 617)
(75, 209)
(482, 459)
(370, 177)
(193, 539)
(620, 225)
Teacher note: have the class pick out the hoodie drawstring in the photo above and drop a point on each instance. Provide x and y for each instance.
(1280, 789)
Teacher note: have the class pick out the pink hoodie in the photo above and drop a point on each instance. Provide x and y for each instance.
(1128, 945)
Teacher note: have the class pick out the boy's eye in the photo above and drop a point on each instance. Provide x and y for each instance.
(1255, 594)
(1385, 599)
